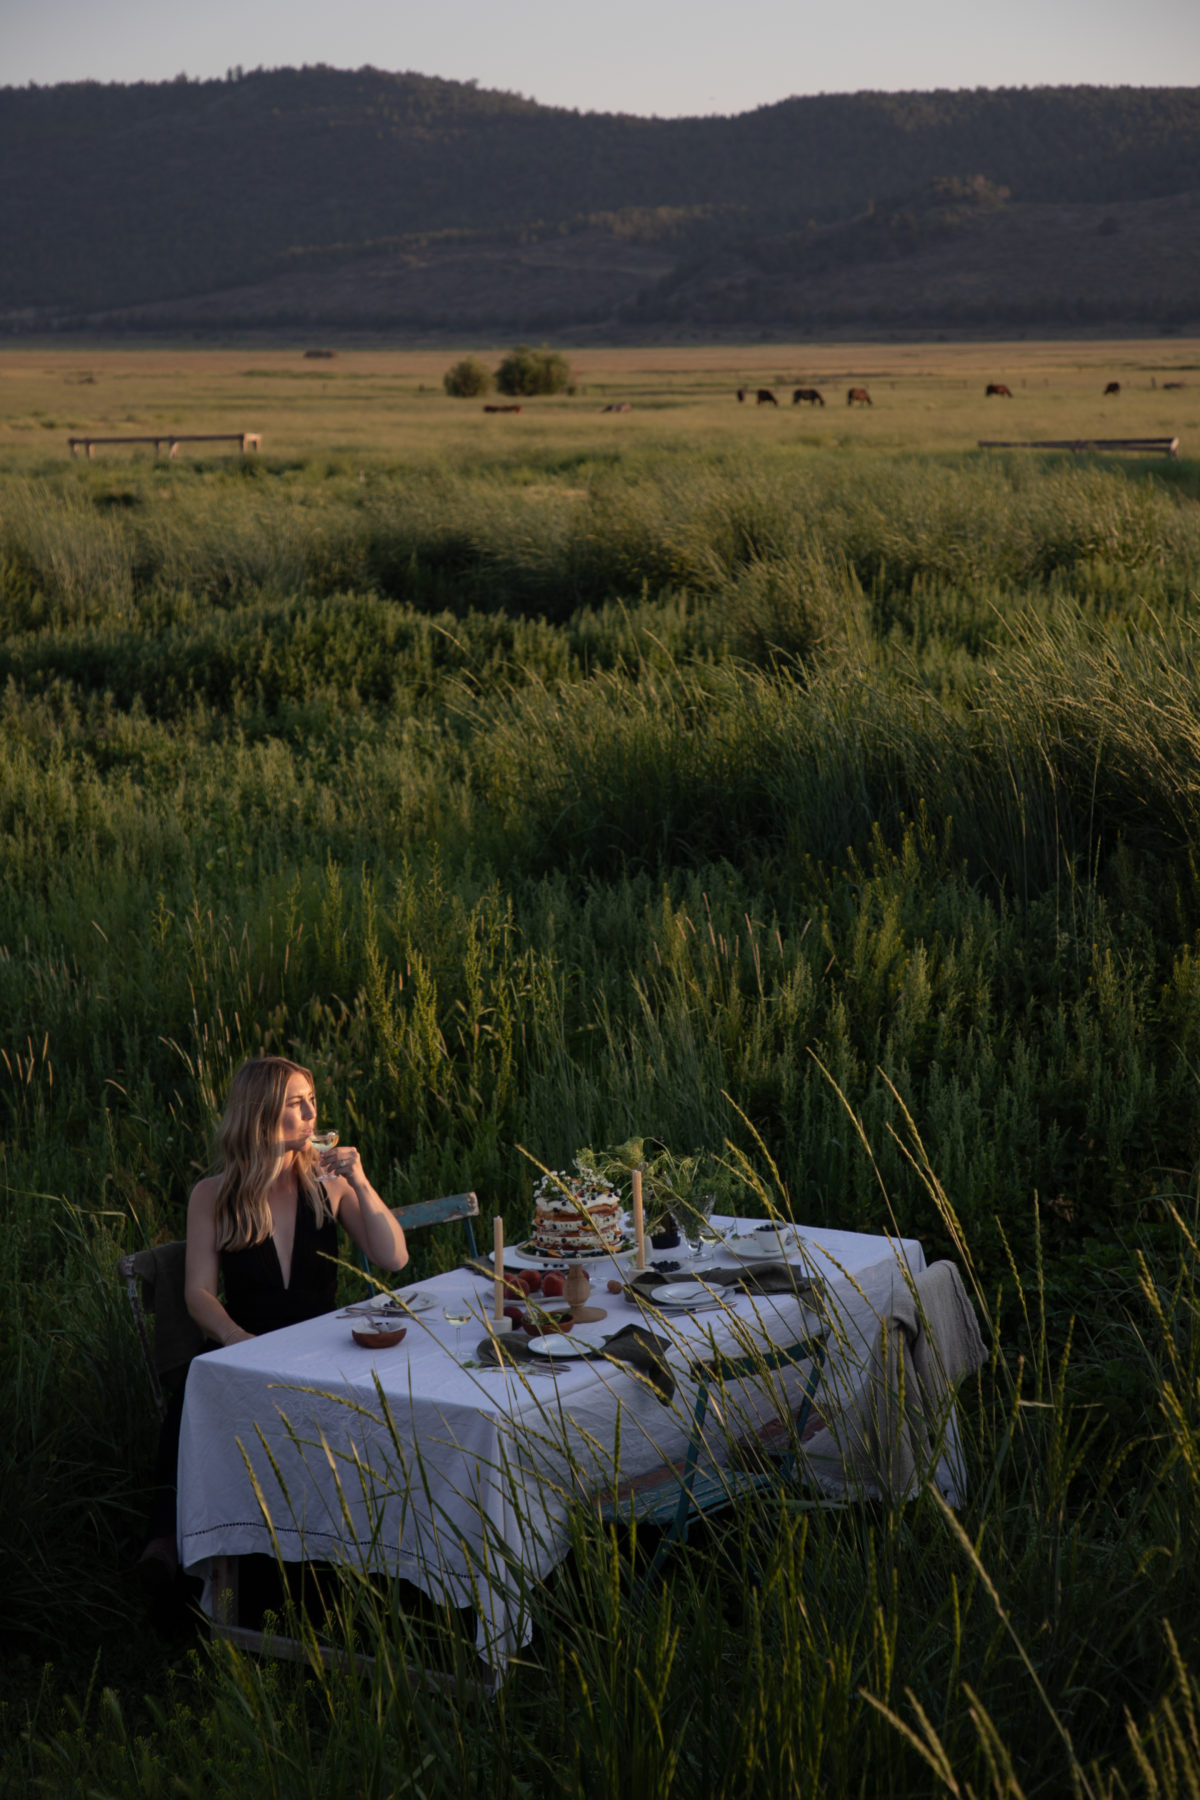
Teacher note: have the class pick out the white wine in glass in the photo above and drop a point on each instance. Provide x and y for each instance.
(458, 1313)
(323, 1140)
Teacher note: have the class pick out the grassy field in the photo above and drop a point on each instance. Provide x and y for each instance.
(805, 783)
(924, 397)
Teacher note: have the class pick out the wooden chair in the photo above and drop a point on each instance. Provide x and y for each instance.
(445, 1211)
(674, 1494)
(154, 1284)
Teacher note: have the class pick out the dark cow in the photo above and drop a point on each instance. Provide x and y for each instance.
(504, 409)
(765, 397)
(998, 387)
(811, 395)
(320, 355)
(858, 397)
(1114, 387)
(1172, 384)
(741, 395)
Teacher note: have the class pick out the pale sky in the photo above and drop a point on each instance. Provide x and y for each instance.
(665, 57)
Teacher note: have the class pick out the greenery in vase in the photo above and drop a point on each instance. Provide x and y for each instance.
(680, 1187)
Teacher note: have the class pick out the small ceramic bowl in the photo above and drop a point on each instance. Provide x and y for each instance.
(546, 1321)
(380, 1340)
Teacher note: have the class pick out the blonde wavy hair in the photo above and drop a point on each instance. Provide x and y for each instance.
(249, 1157)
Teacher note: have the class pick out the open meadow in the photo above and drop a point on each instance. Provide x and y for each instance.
(799, 783)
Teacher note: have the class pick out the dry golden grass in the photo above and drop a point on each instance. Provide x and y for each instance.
(391, 402)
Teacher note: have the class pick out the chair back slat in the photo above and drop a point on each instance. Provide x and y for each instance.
(437, 1212)
(770, 1358)
(446, 1210)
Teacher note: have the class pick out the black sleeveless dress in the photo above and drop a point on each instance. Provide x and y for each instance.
(255, 1297)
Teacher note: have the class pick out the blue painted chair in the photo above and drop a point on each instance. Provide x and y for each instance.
(676, 1493)
(444, 1211)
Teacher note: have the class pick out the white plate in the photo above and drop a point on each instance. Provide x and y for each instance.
(390, 1306)
(558, 1346)
(766, 1246)
(684, 1295)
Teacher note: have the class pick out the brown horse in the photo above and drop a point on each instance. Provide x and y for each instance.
(1114, 387)
(811, 395)
(858, 397)
(502, 409)
(765, 397)
(998, 387)
(618, 406)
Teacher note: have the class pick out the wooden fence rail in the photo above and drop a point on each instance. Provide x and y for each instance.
(1155, 446)
(245, 440)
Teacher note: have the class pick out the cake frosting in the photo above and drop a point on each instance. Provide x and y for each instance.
(583, 1221)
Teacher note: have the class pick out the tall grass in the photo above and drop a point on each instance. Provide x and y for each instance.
(1034, 1644)
(551, 803)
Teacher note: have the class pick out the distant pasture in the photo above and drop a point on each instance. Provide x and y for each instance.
(390, 401)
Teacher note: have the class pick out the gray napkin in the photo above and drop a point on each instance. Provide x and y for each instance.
(634, 1345)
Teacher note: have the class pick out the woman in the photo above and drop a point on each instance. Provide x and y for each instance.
(266, 1227)
(267, 1222)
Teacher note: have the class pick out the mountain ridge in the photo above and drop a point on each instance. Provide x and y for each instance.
(130, 207)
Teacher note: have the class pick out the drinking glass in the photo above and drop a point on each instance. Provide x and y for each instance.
(458, 1313)
(707, 1237)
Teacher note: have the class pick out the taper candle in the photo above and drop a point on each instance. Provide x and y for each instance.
(639, 1222)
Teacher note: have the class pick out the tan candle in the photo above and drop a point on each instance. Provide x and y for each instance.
(639, 1220)
(498, 1264)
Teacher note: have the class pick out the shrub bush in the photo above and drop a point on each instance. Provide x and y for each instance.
(468, 379)
(526, 371)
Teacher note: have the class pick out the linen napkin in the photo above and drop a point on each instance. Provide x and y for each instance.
(634, 1345)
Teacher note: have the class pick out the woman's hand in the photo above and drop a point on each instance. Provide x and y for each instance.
(345, 1161)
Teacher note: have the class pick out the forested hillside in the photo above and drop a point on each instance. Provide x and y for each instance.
(257, 187)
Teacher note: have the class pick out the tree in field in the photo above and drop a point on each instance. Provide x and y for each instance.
(526, 371)
(468, 378)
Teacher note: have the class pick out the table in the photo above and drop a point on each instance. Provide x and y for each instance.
(461, 1479)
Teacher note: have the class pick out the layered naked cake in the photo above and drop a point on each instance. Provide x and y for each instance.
(583, 1221)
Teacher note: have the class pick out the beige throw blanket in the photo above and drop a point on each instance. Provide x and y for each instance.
(888, 1403)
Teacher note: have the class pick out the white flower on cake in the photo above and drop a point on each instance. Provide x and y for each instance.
(576, 1215)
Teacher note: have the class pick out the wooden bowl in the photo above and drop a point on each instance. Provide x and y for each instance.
(379, 1340)
(547, 1321)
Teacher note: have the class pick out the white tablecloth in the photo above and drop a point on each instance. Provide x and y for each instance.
(460, 1479)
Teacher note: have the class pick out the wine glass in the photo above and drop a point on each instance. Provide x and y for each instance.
(458, 1313)
(707, 1237)
(321, 1141)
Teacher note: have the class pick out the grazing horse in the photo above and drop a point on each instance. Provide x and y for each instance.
(504, 409)
(741, 395)
(765, 397)
(810, 394)
(858, 397)
(1171, 384)
(1114, 387)
(998, 387)
(618, 406)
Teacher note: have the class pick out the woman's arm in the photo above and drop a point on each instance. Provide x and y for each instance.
(361, 1211)
(202, 1268)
